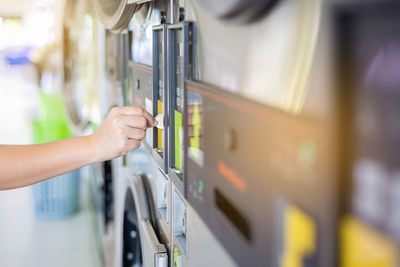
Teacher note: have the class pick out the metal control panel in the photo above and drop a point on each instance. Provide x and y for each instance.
(160, 94)
(287, 185)
(181, 66)
(141, 84)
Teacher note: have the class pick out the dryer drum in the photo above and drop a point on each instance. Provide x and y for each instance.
(114, 14)
(108, 192)
(132, 254)
(79, 64)
(242, 10)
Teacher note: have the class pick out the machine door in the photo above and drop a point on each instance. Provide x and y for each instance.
(116, 14)
(103, 194)
(80, 66)
(140, 242)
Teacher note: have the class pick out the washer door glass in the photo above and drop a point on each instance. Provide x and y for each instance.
(114, 14)
(141, 25)
(80, 65)
(132, 252)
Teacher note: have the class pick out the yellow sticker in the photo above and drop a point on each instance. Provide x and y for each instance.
(195, 140)
(299, 237)
(159, 131)
(362, 246)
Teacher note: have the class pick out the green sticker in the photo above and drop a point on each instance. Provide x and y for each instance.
(177, 261)
(178, 140)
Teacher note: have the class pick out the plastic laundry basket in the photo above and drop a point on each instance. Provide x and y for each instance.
(57, 197)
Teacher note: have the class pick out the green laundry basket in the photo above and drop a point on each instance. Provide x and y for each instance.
(57, 197)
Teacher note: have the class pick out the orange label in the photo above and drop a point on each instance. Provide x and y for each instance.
(232, 176)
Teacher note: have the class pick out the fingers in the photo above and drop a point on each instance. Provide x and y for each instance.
(130, 139)
(135, 133)
(135, 121)
(136, 111)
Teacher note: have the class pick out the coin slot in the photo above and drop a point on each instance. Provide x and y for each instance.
(163, 195)
(232, 213)
(180, 221)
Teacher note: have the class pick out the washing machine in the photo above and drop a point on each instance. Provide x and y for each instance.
(145, 219)
(88, 99)
(251, 152)
(267, 117)
(80, 62)
(234, 83)
(140, 241)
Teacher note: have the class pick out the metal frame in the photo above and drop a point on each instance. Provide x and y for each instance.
(184, 28)
(162, 161)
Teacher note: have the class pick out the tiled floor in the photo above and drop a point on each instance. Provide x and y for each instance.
(24, 240)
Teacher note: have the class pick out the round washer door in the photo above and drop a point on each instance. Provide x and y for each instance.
(132, 249)
(80, 88)
(239, 10)
(140, 243)
(115, 14)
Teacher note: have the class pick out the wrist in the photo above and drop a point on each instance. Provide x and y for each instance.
(90, 149)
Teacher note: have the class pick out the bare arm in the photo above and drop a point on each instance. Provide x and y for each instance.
(122, 131)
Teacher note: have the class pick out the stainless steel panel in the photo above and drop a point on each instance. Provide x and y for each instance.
(152, 249)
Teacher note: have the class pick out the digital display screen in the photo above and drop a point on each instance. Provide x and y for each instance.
(195, 122)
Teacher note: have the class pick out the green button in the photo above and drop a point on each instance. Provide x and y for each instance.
(201, 185)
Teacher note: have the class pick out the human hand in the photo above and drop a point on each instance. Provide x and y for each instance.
(122, 131)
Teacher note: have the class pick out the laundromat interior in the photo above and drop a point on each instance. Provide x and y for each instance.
(276, 140)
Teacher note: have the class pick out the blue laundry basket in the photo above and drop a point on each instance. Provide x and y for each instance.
(58, 197)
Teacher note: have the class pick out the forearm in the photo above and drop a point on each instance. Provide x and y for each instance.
(22, 165)
(122, 131)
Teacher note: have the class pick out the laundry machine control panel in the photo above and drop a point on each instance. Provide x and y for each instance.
(181, 67)
(248, 171)
(160, 100)
(141, 94)
(160, 89)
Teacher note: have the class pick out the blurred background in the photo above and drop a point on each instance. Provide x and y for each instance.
(30, 57)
